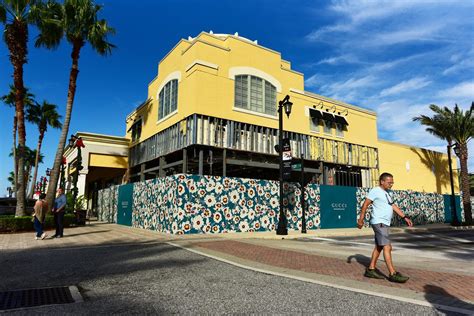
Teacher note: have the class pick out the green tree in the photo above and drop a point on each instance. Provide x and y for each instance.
(9, 100)
(78, 22)
(456, 127)
(15, 14)
(42, 115)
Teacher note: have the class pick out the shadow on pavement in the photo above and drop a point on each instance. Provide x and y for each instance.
(433, 294)
(86, 233)
(32, 268)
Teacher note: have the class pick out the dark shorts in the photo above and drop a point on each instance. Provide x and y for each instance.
(382, 234)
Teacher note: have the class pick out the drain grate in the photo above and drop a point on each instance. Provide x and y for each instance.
(35, 297)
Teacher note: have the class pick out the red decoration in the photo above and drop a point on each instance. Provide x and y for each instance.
(79, 143)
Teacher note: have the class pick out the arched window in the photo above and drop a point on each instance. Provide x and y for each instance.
(168, 99)
(255, 94)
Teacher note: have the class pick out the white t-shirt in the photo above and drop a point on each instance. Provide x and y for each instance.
(382, 206)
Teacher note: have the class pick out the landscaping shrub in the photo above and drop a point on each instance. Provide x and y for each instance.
(10, 223)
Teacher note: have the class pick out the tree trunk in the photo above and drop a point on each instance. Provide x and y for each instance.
(16, 37)
(53, 180)
(15, 158)
(466, 195)
(35, 174)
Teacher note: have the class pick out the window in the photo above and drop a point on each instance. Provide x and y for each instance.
(255, 94)
(168, 99)
(315, 117)
(327, 127)
(314, 124)
(136, 129)
(339, 130)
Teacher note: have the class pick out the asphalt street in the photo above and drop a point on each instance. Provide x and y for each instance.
(157, 278)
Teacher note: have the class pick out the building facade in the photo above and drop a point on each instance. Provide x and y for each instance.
(212, 109)
(104, 162)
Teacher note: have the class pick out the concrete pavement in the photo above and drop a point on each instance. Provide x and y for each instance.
(438, 282)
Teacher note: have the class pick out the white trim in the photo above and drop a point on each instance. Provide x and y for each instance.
(171, 76)
(235, 71)
(335, 102)
(274, 117)
(202, 63)
(167, 117)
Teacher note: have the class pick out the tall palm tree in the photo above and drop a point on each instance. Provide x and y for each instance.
(43, 115)
(456, 127)
(9, 100)
(15, 15)
(78, 22)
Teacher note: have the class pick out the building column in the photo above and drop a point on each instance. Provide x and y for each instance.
(201, 162)
(185, 161)
(142, 172)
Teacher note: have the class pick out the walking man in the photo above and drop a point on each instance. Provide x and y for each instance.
(58, 211)
(383, 208)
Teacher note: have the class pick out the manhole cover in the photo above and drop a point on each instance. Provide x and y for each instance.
(38, 297)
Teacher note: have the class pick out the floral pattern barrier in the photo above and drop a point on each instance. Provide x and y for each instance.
(183, 204)
(187, 204)
(107, 204)
(422, 208)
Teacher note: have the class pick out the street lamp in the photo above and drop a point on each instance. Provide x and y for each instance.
(76, 142)
(454, 219)
(286, 105)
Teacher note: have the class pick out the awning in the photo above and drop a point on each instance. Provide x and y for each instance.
(328, 117)
(315, 114)
(341, 120)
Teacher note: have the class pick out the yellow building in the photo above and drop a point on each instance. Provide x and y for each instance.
(212, 109)
(104, 162)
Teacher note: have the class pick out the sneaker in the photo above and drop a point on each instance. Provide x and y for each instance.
(43, 236)
(397, 277)
(57, 236)
(372, 273)
(37, 238)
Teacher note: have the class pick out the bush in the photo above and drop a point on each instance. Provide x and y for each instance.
(10, 223)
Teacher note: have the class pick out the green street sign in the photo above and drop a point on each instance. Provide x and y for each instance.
(296, 166)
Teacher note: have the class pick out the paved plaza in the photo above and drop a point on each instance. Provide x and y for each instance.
(126, 270)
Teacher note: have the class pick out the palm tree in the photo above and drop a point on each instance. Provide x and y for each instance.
(43, 115)
(15, 15)
(9, 100)
(30, 158)
(456, 127)
(77, 21)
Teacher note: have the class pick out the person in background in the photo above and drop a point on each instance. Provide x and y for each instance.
(383, 209)
(39, 214)
(58, 211)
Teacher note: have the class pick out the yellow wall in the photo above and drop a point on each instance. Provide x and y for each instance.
(108, 161)
(428, 170)
(203, 89)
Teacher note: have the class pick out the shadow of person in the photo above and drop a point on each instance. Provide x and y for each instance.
(364, 261)
(443, 301)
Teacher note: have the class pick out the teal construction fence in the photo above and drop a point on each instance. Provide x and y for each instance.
(187, 204)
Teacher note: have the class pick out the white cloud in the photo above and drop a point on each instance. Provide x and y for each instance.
(407, 85)
(463, 90)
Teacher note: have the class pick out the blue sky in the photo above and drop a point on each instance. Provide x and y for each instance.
(394, 57)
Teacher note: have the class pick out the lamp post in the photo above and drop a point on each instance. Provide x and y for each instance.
(62, 181)
(454, 219)
(76, 142)
(286, 105)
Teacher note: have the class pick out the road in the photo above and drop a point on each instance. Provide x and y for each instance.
(154, 277)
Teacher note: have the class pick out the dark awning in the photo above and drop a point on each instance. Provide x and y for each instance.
(315, 114)
(328, 117)
(341, 120)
